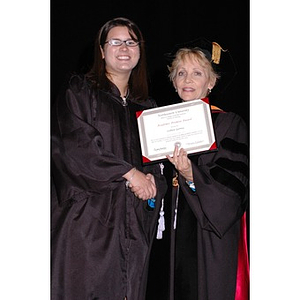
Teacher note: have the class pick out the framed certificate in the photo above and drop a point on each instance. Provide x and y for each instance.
(188, 125)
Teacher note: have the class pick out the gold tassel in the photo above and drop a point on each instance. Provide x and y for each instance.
(216, 53)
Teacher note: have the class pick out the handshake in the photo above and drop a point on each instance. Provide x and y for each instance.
(143, 186)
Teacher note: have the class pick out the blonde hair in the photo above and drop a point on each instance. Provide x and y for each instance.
(199, 56)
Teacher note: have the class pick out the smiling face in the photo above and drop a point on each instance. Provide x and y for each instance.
(120, 59)
(192, 80)
(192, 74)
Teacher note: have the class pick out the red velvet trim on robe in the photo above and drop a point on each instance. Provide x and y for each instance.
(242, 283)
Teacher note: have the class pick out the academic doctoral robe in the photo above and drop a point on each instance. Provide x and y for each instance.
(101, 233)
(199, 259)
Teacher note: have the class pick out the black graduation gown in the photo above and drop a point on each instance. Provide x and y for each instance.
(198, 260)
(101, 233)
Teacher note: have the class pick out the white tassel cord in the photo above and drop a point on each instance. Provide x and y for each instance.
(161, 221)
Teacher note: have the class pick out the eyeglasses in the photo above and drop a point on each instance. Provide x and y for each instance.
(117, 42)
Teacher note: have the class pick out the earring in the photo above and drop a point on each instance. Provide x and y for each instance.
(209, 91)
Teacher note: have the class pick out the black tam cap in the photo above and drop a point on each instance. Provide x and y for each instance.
(221, 59)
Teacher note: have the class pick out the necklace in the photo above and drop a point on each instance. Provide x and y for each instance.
(125, 98)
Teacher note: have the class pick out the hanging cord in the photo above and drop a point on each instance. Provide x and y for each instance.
(161, 221)
(190, 184)
(176, 207)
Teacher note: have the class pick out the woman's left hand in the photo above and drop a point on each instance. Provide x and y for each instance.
(182, 163)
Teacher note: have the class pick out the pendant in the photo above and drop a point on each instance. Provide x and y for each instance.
(175, 180)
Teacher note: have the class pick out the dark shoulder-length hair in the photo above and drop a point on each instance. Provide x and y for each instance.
(138, 81)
